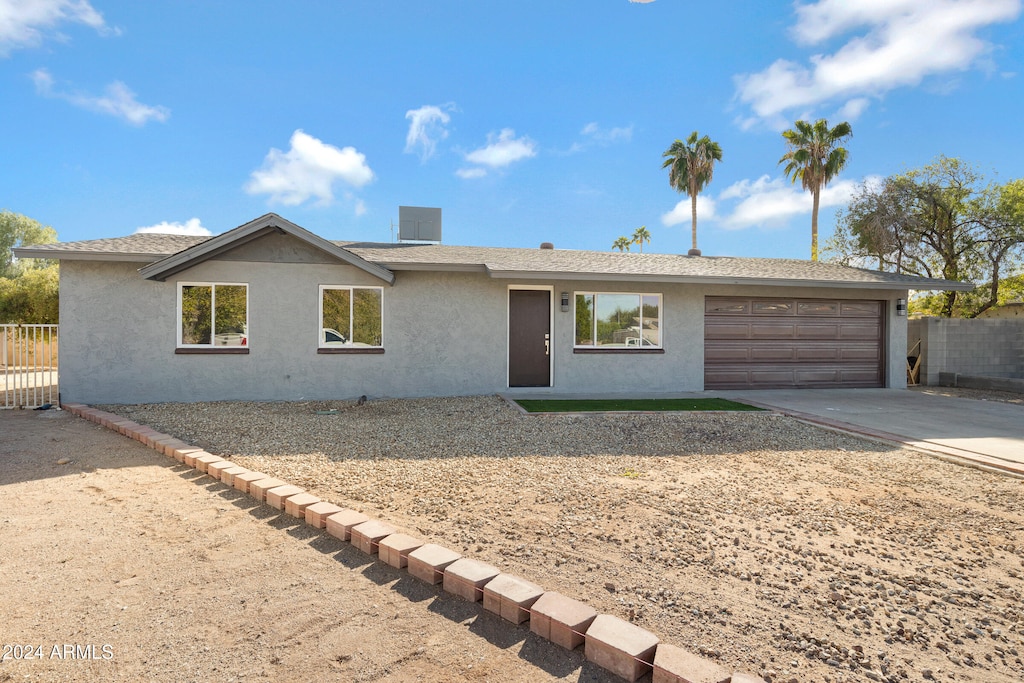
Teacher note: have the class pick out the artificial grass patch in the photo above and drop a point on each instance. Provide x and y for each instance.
(626, 404)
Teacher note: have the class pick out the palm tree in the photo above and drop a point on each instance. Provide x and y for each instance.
(690, 167)
(622, 244)
(815, 157)
(641, 235)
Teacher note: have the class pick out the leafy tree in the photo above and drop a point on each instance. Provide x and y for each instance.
(622, 244)
(937, 221)
(641, 235)
(21, 231)
(28, 287)
(691, 165)
(814, 158)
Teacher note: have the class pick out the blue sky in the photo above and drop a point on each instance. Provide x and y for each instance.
(526, 122)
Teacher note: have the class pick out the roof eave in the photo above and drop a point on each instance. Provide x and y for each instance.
(497, 273)
(55, 255)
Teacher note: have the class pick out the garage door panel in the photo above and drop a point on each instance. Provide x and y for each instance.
(818, 331)
(778, 354)
(727, 354)
(817, 354)
(765, 343)
(859, 331)
(862, 355)
(766, 330)
(726, 330)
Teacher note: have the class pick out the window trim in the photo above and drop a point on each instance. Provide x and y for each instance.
(348, 347)
(594, 348)
(181, 347)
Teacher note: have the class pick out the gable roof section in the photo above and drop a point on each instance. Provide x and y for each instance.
(168, 254)
(271, 222)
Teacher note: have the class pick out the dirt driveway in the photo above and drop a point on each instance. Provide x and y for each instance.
(119, 567)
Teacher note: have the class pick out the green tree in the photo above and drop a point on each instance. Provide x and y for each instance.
(941, 220)
(28, 287)
(622, 244)
(691, 165)
(641, 235)
(814, 158)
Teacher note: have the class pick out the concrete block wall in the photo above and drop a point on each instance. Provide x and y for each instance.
(982, 347)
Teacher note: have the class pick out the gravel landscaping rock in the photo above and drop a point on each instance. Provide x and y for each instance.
(760, 542)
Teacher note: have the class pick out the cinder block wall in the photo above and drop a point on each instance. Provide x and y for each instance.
(983, 347)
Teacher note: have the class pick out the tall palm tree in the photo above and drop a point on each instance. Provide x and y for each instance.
(622, 244)
(815, 157)
(690, 166)
(641, 235)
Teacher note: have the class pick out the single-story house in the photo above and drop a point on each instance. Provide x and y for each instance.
(271, 311)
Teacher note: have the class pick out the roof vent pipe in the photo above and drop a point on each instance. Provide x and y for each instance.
(547, 245)
(693, 252)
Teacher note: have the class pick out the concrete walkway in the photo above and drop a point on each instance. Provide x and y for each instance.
(985, 432)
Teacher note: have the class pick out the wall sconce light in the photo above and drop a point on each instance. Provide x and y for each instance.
(565, 302)
(901, 307)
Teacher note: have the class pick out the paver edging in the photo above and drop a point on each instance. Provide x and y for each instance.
(640, 664)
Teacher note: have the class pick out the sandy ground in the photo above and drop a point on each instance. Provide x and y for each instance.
(118, 566)
(765, 544)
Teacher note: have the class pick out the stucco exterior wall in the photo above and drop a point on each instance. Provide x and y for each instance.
(444, 334)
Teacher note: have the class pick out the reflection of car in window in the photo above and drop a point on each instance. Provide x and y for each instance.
(332, 336)
(639, 341)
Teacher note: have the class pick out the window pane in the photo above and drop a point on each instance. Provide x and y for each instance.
(584, 320)
(229, 316)
(366, 317)
(336, 309)
(618, 319)
(196, 314)
(651, 328)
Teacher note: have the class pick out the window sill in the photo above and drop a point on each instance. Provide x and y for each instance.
(354, 351)
(630, 351)
(215, 350)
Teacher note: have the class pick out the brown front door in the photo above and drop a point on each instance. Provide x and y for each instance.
(529, 338)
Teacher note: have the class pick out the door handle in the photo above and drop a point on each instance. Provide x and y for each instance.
(547, 347)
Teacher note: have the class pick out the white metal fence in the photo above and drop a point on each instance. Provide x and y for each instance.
(28, 361)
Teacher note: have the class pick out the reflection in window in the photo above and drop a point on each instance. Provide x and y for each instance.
(618, 320)
(351, 316)
(213, 315)
(815, 308)
(772, 307)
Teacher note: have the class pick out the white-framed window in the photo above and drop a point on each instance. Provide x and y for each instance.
(618, 320)
(213, 314)
(351, 317)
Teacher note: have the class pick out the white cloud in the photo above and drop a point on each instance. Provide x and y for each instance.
(469, 173)
(118, 101)
(503, 149)
(771, 202)
(852, 110)
(189, 227)
(24, 22)
(900, 42)
(681, 212)
(607, 136)
(309, 169)
(427, 128)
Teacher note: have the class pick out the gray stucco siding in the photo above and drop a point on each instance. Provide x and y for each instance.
(445, 333)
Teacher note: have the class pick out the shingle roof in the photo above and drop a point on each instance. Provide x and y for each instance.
(548, 264)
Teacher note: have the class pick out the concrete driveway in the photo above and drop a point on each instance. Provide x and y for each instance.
(986, 432)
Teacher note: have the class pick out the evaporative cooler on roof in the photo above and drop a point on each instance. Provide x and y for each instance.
(419, 223)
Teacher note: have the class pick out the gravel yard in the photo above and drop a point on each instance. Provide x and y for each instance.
(766, 544)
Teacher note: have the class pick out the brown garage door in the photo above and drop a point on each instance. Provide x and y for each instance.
(776, 343)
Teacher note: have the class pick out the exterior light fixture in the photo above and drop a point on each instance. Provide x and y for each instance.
(565, 302)
(901, 307)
